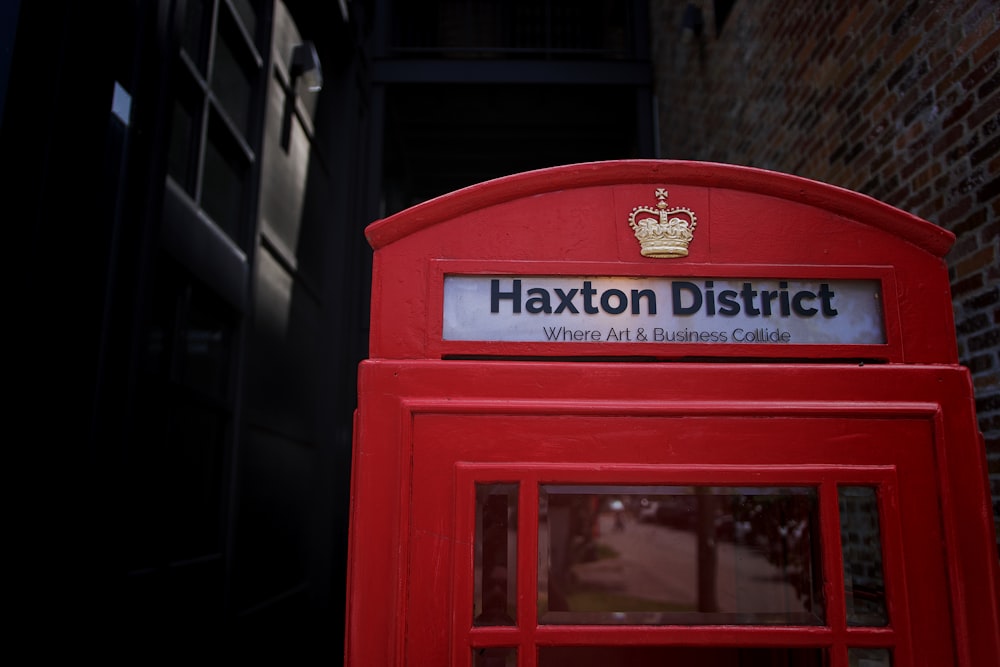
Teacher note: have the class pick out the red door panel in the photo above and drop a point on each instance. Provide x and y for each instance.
(454, 452)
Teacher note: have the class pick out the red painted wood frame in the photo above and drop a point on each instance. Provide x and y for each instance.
(573, 221)
(430, 430)
(438, 416)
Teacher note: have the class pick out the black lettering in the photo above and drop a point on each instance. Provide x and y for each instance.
(709, 297)
(766, 297)
(797, 303)
(566, 300)
(588, 292)
(729, 305)
(606, 301)
(538, 301)
(783, 300)
(679, 308)
(650, 296)
(514, 295)
(826, 298)
(748, 295)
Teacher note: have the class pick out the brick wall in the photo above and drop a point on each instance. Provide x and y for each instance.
(897, 100)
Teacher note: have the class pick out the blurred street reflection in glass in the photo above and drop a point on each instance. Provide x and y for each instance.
(679, 555)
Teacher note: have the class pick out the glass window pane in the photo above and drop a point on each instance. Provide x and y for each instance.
(247, 11)
(860, 540)
(183, 142)
(869, 657)
(663, 656)
(679, 555)
(162, 322)
(232, 76)
(494, 657)
(207, 336)
(194, 473)
(197, 18)
(224, 182)
(496, 555)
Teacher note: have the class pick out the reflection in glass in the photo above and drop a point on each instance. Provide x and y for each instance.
(660, 656)
(197, 15)
(182, 142)
(247, 11)
(862, 547)
(869, 657)
(494, 657)
(496, 555)
(232, 77)
(679, 555)
(224, 181)
(194, 467)
(207, 336)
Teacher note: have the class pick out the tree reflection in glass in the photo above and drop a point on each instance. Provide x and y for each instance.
(861, 542)
(679, 555)
(496, 554)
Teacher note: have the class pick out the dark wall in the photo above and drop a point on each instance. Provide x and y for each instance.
(117, 477)
(184, 394)
(899, 101)
(68, 175)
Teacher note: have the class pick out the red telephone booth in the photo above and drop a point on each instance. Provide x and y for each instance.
(666, 413)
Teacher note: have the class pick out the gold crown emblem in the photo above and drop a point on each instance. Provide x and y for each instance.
(663, 236)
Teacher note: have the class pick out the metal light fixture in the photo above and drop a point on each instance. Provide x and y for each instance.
(305, 65)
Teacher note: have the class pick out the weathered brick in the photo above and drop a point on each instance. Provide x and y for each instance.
(900, 99)
(990, 231)
(926, 175)
(970, 284)
(919, 71)
(986, 151)
(903, 17)
(989, 190)
(964, 247)
(975, 262)
(955, 213)
(989, 45)
(983, 300)
(959, 72)
(987, 112)
(922, 105)
(983, 383)
(941, 63)
(989, 86)
(968, 227)
(861, 128)
(981, 72)
(988, 403)
(946, 140)
(961, 150)
(959, 111)
(972, 182)
(977, 28)
(853, 152)
(879, 103)
(992, 124)
(977, 322)
(980, 363)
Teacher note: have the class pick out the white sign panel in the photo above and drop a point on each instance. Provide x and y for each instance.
(596, 309)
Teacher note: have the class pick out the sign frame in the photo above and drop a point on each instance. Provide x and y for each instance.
(891, 351)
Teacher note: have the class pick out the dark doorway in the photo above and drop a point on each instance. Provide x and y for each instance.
(442, 137)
